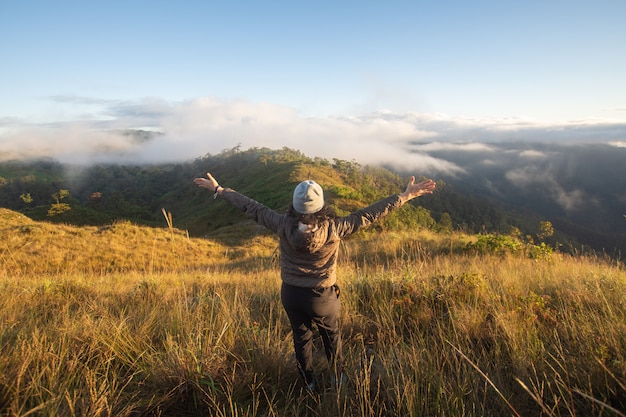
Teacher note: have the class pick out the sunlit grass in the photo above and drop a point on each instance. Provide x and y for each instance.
(191, 327)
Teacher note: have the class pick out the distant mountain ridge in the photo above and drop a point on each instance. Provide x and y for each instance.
(101, 194)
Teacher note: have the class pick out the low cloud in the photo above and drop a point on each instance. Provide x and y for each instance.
(447, 146)
(532, 154)
(207, 125)
(73, 142)
(538, 178)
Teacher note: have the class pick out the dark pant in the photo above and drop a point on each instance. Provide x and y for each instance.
(305, 306)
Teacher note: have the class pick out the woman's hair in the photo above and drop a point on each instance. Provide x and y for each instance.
(326, 213)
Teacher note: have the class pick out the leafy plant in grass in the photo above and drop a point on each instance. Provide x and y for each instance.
(495, 244)
(499, 244)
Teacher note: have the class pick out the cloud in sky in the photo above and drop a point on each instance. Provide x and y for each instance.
(532, 154)
(533, 176)
(462, 147)
(193, 128)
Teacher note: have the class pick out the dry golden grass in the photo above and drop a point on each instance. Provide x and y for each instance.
(192, 327)
(29, 247)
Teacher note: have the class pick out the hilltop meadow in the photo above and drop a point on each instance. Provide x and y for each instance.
(123, 319)
(128, 291)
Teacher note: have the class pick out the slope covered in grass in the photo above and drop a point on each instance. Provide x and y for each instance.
(127, 320)
(32, 247)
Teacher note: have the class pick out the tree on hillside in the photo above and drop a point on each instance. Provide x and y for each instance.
(445, 223)
(26, 198)
(58, 207)
(545, 230)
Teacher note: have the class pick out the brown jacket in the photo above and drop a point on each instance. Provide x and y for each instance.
(309, 259)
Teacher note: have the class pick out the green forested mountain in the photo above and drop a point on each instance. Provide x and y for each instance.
(101, 194)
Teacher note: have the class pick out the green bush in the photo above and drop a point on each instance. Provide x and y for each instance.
(494, 244)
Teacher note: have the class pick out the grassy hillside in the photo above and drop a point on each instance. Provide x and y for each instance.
(129, 320)
(103, 194)
(44, 248)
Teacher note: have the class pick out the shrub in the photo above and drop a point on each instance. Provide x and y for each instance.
(495, 244)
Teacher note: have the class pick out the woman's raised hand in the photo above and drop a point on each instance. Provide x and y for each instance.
(210, 183)
(415, 190)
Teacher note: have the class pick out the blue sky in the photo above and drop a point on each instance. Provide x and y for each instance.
(322, 76)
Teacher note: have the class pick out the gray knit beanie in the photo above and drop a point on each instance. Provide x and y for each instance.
(308, 197)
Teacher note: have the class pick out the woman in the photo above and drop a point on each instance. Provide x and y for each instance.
(310, 235)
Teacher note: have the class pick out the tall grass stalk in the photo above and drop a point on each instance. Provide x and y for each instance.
(200, 330)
